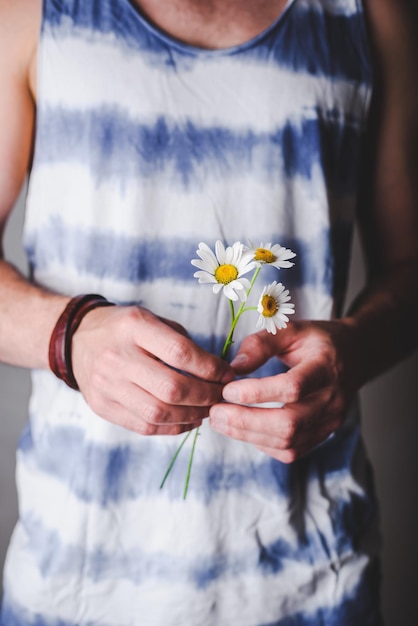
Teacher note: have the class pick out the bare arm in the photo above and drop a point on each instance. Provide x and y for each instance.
(21, 343)
(384, 315)
(330, 361)
(128, 363)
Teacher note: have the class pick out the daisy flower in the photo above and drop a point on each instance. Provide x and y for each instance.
(274, 307)
(272, 254)
(225, 269)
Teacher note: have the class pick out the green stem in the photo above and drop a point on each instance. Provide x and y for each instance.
(189, 467)
(224, 353)
(235, 318)
(231, 304)
(173, 460)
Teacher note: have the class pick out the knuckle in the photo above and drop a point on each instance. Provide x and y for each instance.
(257, 395)
(241, 424)
(210, 396)
(172, 392)
(245, 436)
(138, 313)
(293, 390)
(133, 323)
(177, 353)
(210, 370)
(153, 414)
(250, 393)
(147, 429)
(130, 317)
(177, 429)
(290, 433)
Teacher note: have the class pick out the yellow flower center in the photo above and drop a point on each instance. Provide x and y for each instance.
(269, 305)
(265, 256)
(226, 274)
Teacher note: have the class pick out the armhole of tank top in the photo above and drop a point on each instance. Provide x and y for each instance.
(39, 84)
(365, 40)
(37, 125)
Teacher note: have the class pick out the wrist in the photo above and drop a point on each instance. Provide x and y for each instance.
(60, 345)
(356, 356)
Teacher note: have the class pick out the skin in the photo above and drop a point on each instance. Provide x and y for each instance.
(123, 357)
(330, 361)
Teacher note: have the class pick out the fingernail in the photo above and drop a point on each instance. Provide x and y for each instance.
(217, 418)
(239, 360)
(231, 393)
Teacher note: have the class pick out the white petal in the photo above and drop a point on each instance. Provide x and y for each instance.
(204, 277)
(242, 295)
(247, 258)
(282, 264)
(245, 282)
(246, 265)
(217, 287)
(236, 253)
(206, 254)
(260, 322)
(230, 293)
(203, 265)
(270, 325)
(220, 252)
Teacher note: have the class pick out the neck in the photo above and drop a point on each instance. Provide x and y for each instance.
(212, 24)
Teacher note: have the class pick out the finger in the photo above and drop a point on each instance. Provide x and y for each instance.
(155, 412)
(292, 386)
(142, 406)
(162, 341)
(278, 444)
(257, 348)
(170, 386)
(288, 456)
(289, 427)
(121, 416)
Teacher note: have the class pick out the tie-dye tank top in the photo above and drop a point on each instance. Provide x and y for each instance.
(146, 146)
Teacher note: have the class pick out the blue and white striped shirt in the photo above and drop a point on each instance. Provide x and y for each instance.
(146, 146)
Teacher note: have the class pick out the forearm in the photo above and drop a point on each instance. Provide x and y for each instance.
(27, 317)
(382, 323)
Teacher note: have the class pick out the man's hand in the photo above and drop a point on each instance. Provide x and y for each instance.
(144, 373)
(315, 391)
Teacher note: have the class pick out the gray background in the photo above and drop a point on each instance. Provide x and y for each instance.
(390, 410)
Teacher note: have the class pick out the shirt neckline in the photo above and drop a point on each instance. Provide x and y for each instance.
(196, 50)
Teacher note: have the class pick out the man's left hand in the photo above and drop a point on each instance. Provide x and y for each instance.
(315, 391)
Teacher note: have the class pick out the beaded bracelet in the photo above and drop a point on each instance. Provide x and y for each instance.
(60, 343)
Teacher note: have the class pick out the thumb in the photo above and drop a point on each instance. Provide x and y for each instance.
(259, 347)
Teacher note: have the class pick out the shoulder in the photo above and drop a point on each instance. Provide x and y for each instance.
(393, 27)
(20, 22)
(19, 33)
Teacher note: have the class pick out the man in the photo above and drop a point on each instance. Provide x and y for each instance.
(148, 127)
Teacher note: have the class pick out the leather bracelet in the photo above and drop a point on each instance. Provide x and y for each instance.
(60, 344)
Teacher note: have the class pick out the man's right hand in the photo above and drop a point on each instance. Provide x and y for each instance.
(144, 373)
